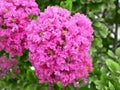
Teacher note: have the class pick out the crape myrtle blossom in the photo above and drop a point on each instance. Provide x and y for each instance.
(59, 44)
(15, 15)
(8, 67)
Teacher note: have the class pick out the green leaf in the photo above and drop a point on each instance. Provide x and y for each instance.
(101, 28)
(70, 87)
(30, 75)
(117, 52)
(73, 0)
(82, 1)
(119, 79)
(106, 88)
(111, 54)
(3, 26)
(111, 86)
(113, 66)
(33, 17)
(104, 31)
(43, 88)
(99, 84)
(119, 11)
(29, 87)
(2, 84)
(67, 4)
(98, 24)
(59, 85)
(97, 42)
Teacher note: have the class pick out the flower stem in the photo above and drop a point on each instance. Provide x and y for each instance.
(50, 86)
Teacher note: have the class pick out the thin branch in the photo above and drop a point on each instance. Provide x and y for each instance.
(50, 86)
(116, 25)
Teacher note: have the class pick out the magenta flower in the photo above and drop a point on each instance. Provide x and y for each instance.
(59, 44)
(15, 15)
(8, 67)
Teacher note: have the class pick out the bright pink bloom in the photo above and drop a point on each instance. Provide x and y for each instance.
(15, 15)
(8, 67)
(59, 45)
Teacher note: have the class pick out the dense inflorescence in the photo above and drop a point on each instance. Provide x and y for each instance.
(15, 15)
(59, 44)
(8, 67)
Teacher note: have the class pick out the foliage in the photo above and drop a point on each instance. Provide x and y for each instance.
(105, 49)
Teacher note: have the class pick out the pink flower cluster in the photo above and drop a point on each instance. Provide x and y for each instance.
(15, 15)
(59, 44)
(8, 67)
